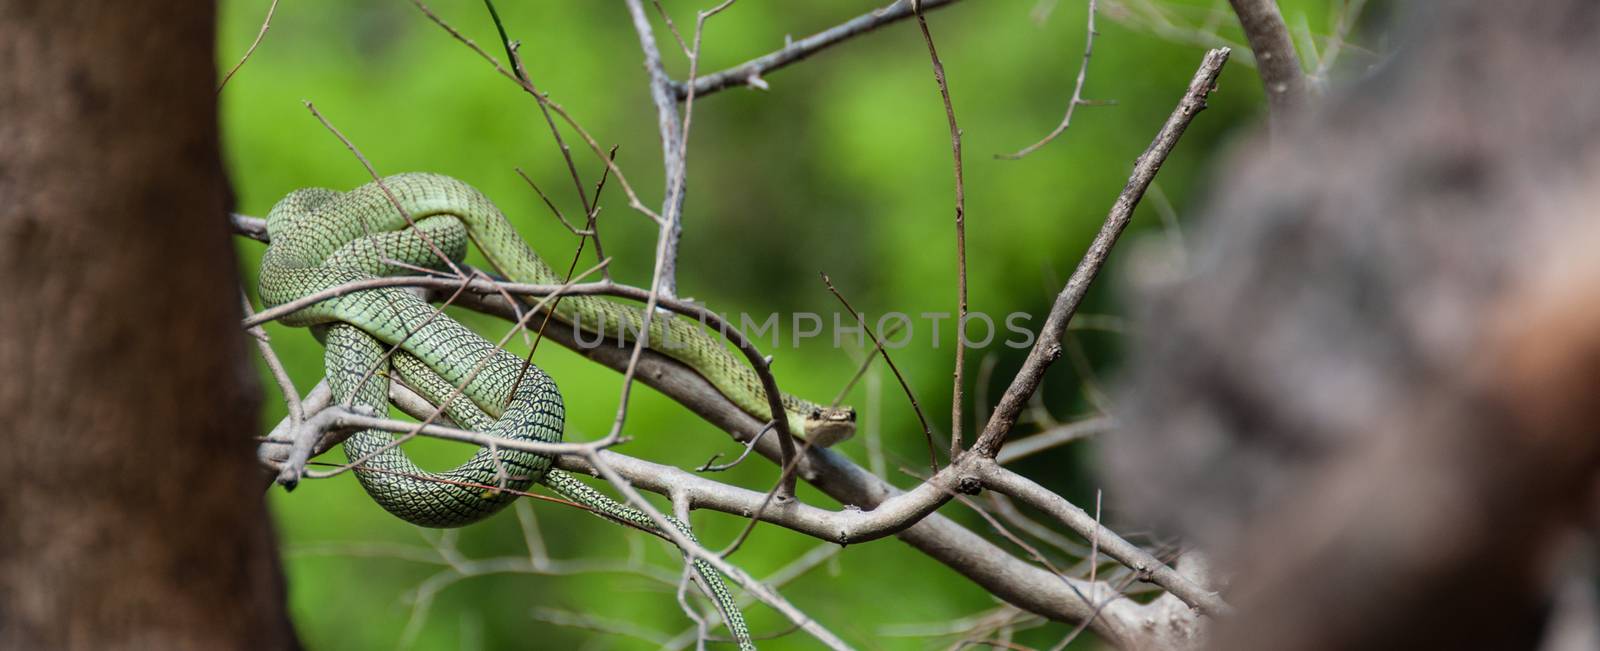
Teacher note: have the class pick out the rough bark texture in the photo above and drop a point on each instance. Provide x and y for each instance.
(1373, 394)
(132, 518)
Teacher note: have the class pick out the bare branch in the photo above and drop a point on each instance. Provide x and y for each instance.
(1146, 566)
(393, 200)
(1008, 578)
(750, 72)
(877, 344)
(1047, 348)
(992, 568)
(291, 396)
(346, 419)
(545, 102)
(672, 148)
(693, 550)
(254, 228)
(957, 385)
(266, 23)
(1077, 94)
(1275, 57)
(1055, 436)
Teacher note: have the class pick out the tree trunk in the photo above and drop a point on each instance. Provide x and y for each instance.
(132, 516)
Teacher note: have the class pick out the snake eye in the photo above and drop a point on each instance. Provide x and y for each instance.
(852, 414)
(816, 414)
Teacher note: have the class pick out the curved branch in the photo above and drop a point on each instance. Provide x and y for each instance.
(1148, 567)
(1275, 57)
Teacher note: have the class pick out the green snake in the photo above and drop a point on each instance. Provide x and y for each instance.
(322, 239)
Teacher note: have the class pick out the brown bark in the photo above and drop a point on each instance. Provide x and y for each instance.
(1373, 395)
(131, 514)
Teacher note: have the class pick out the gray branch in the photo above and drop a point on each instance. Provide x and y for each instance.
(672, 147)
(1275, 57)
(750, 72)
(1048, 345)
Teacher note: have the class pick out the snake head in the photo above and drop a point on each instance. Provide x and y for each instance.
(825, 426)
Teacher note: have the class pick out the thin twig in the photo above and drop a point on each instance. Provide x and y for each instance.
(1054, 437)
(1348, 16)
(291, 397)
(1008, 511)
(674, 162)
(672, 27)
(544, 101)
(750, 72)
(1077, 94)
(1029, 549)
(393, 200)
(927, 431)
(695, 551)
(1148, 567)
(594, 210)
(266, 24)
(522, 77)
(1047, 347)
(751, 445)
(957, 386)
(551, 204)
(1275, 57)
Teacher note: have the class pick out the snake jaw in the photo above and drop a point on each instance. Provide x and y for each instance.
(827, 426)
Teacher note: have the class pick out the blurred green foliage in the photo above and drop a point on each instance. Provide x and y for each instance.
(843, 166)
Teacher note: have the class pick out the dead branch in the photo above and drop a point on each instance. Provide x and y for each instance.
(1048, 346)
(673, 150)
(266, 23)
(1275, 58)
(958, 386)
(1077, 93)
(750, 72)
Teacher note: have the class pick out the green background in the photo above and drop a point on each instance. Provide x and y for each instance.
(842, 167)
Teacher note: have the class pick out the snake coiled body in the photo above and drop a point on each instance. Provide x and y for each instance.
(322, 239)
